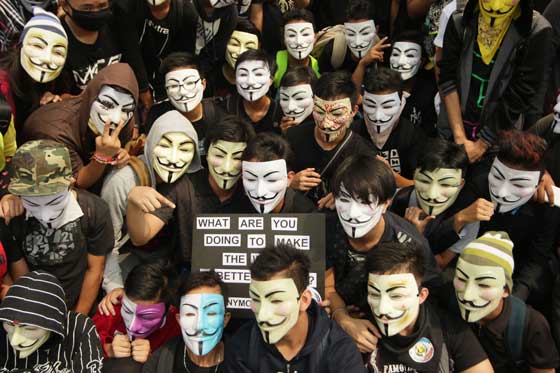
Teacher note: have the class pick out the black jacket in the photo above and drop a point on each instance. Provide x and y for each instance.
(516, 84)
(327, 349)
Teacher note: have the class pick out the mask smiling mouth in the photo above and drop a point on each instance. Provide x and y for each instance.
(172, 167)
(185, 98)
(201, 334)
(504, 200)
(433, 201)
(386, 318)
(497, 12)
(251, 87)
(356, 222)
(470, 305)
(266, 325)
(262, 199)
(402, 68)
(380, 121)
(294, 112)
(227, 174)
(43, 66)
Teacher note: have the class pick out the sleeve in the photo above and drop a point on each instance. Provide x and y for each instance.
(541, 351)
(441, 234)
(3, 262)
(443, 20)
(343, 355)
(100, 237)
(525, 91)
(12, 249)
(463, 346)
(88, 353)
(450, 60)
(106, 326)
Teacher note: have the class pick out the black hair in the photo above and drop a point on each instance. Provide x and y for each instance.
(179, 59)
(335, 84)
(21, 84)
(257, 55)
(279, 258)
(440, 153)
(207, 278)
(357, 9)
(363, 175)
(231, 128)
(149, 281)
(267, 146)
(412, 36)
(298, 15)
(299, 75)
(394, 257)
(383, 79)
(244, 25)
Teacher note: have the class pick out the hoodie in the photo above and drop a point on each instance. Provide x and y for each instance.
(327, 349)
(67, 122)
(37, 299)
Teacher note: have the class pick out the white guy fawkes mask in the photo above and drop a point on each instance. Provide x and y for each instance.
(299, 39)
(252, 79)
(202, 321)
(184, 89)
(221, 3)
(43, 54)
(405, 58)
(26, 339)
(556, 123)
(111, 105)
(265, 183)
(224, 162)
(47, 209)
(238, 43)
(172, 156)
(479, 289)
(437, 190)
(297, 101)
(511, 188)
(332, 117)
(357, 218)
(394, 301)
(359, 37)
(276, 307)
(381, 112)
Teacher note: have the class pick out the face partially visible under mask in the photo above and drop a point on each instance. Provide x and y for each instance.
(224, 162)
(184, 89)
(202, 321)
(299, 39)
(276, 307)
(394, 301)
(437, 190)
(43, 54)
(25, 339)
(252, 79)
(406, 58)
(142, 320)
(357, 217)
(172, 156)
(360, 37)
(479, 289)
(110, 105)
(238, 43)
(46, 209)
(265, 183)
(381, 112)
(297, 102)
(332, 117)
(511, 188)
(556, 122)
(221, 3)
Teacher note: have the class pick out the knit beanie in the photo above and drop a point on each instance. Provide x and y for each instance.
(493, 249)
(43, 20)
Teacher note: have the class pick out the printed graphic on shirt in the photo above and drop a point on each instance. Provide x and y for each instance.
(422, 351)
(83, 75)
(392, 156)
(403, 237)
(415, 116)
(205, 31)
(46, 246)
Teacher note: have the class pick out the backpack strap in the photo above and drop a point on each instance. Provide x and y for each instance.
(515, 333)
(338, 51)
(140, 170)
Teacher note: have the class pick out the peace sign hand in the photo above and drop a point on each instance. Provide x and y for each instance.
(108, 144)
(376, 52)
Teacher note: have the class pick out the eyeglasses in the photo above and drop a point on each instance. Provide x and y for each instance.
(175, 88)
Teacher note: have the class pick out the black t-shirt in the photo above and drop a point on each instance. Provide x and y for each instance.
(419, 108)
(539, 348)
(84, 61)
(309, 154)
(62, 252)
(269, 123)
(208, 203)
(183, 364)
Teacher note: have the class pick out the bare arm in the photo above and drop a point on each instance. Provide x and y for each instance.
(88, 175)
(141, 224)
(91, 284)
(535, 370)
(18, 268)
(453, 106)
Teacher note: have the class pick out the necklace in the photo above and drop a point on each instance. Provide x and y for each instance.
(185, 362)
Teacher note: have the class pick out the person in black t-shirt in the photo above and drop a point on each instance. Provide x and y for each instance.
(254, 71)
(363, 186)
(185, 85)
(266, 173)
(416, 336)
(296, 96)
(483, 283)
(321, 145)
(391, 135)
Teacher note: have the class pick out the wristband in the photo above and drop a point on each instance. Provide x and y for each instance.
(103, 160)
(336, 310)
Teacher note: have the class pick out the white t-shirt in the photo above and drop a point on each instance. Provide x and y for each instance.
(443, 19)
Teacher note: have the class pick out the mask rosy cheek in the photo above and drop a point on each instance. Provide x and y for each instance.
(253, 307)
(490, 293)
(457, 284)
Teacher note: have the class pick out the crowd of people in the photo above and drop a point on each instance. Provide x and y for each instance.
(424, 132)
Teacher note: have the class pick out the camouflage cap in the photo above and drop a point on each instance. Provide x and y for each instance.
(40, 168)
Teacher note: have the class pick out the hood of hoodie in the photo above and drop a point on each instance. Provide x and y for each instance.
(171, 121)
(37, 299)
(523, 23)
(118, 74)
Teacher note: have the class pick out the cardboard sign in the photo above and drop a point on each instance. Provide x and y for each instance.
(228, 244)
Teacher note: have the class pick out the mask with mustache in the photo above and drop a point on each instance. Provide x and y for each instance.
(184, 89)
(202, 321)
(252, 79)
(43, 54)
(265, 183)
(438, 189)
(360, 37)
(297, 102)
(357, 217)
(224, 162)
(299, 39)
(110, 105)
